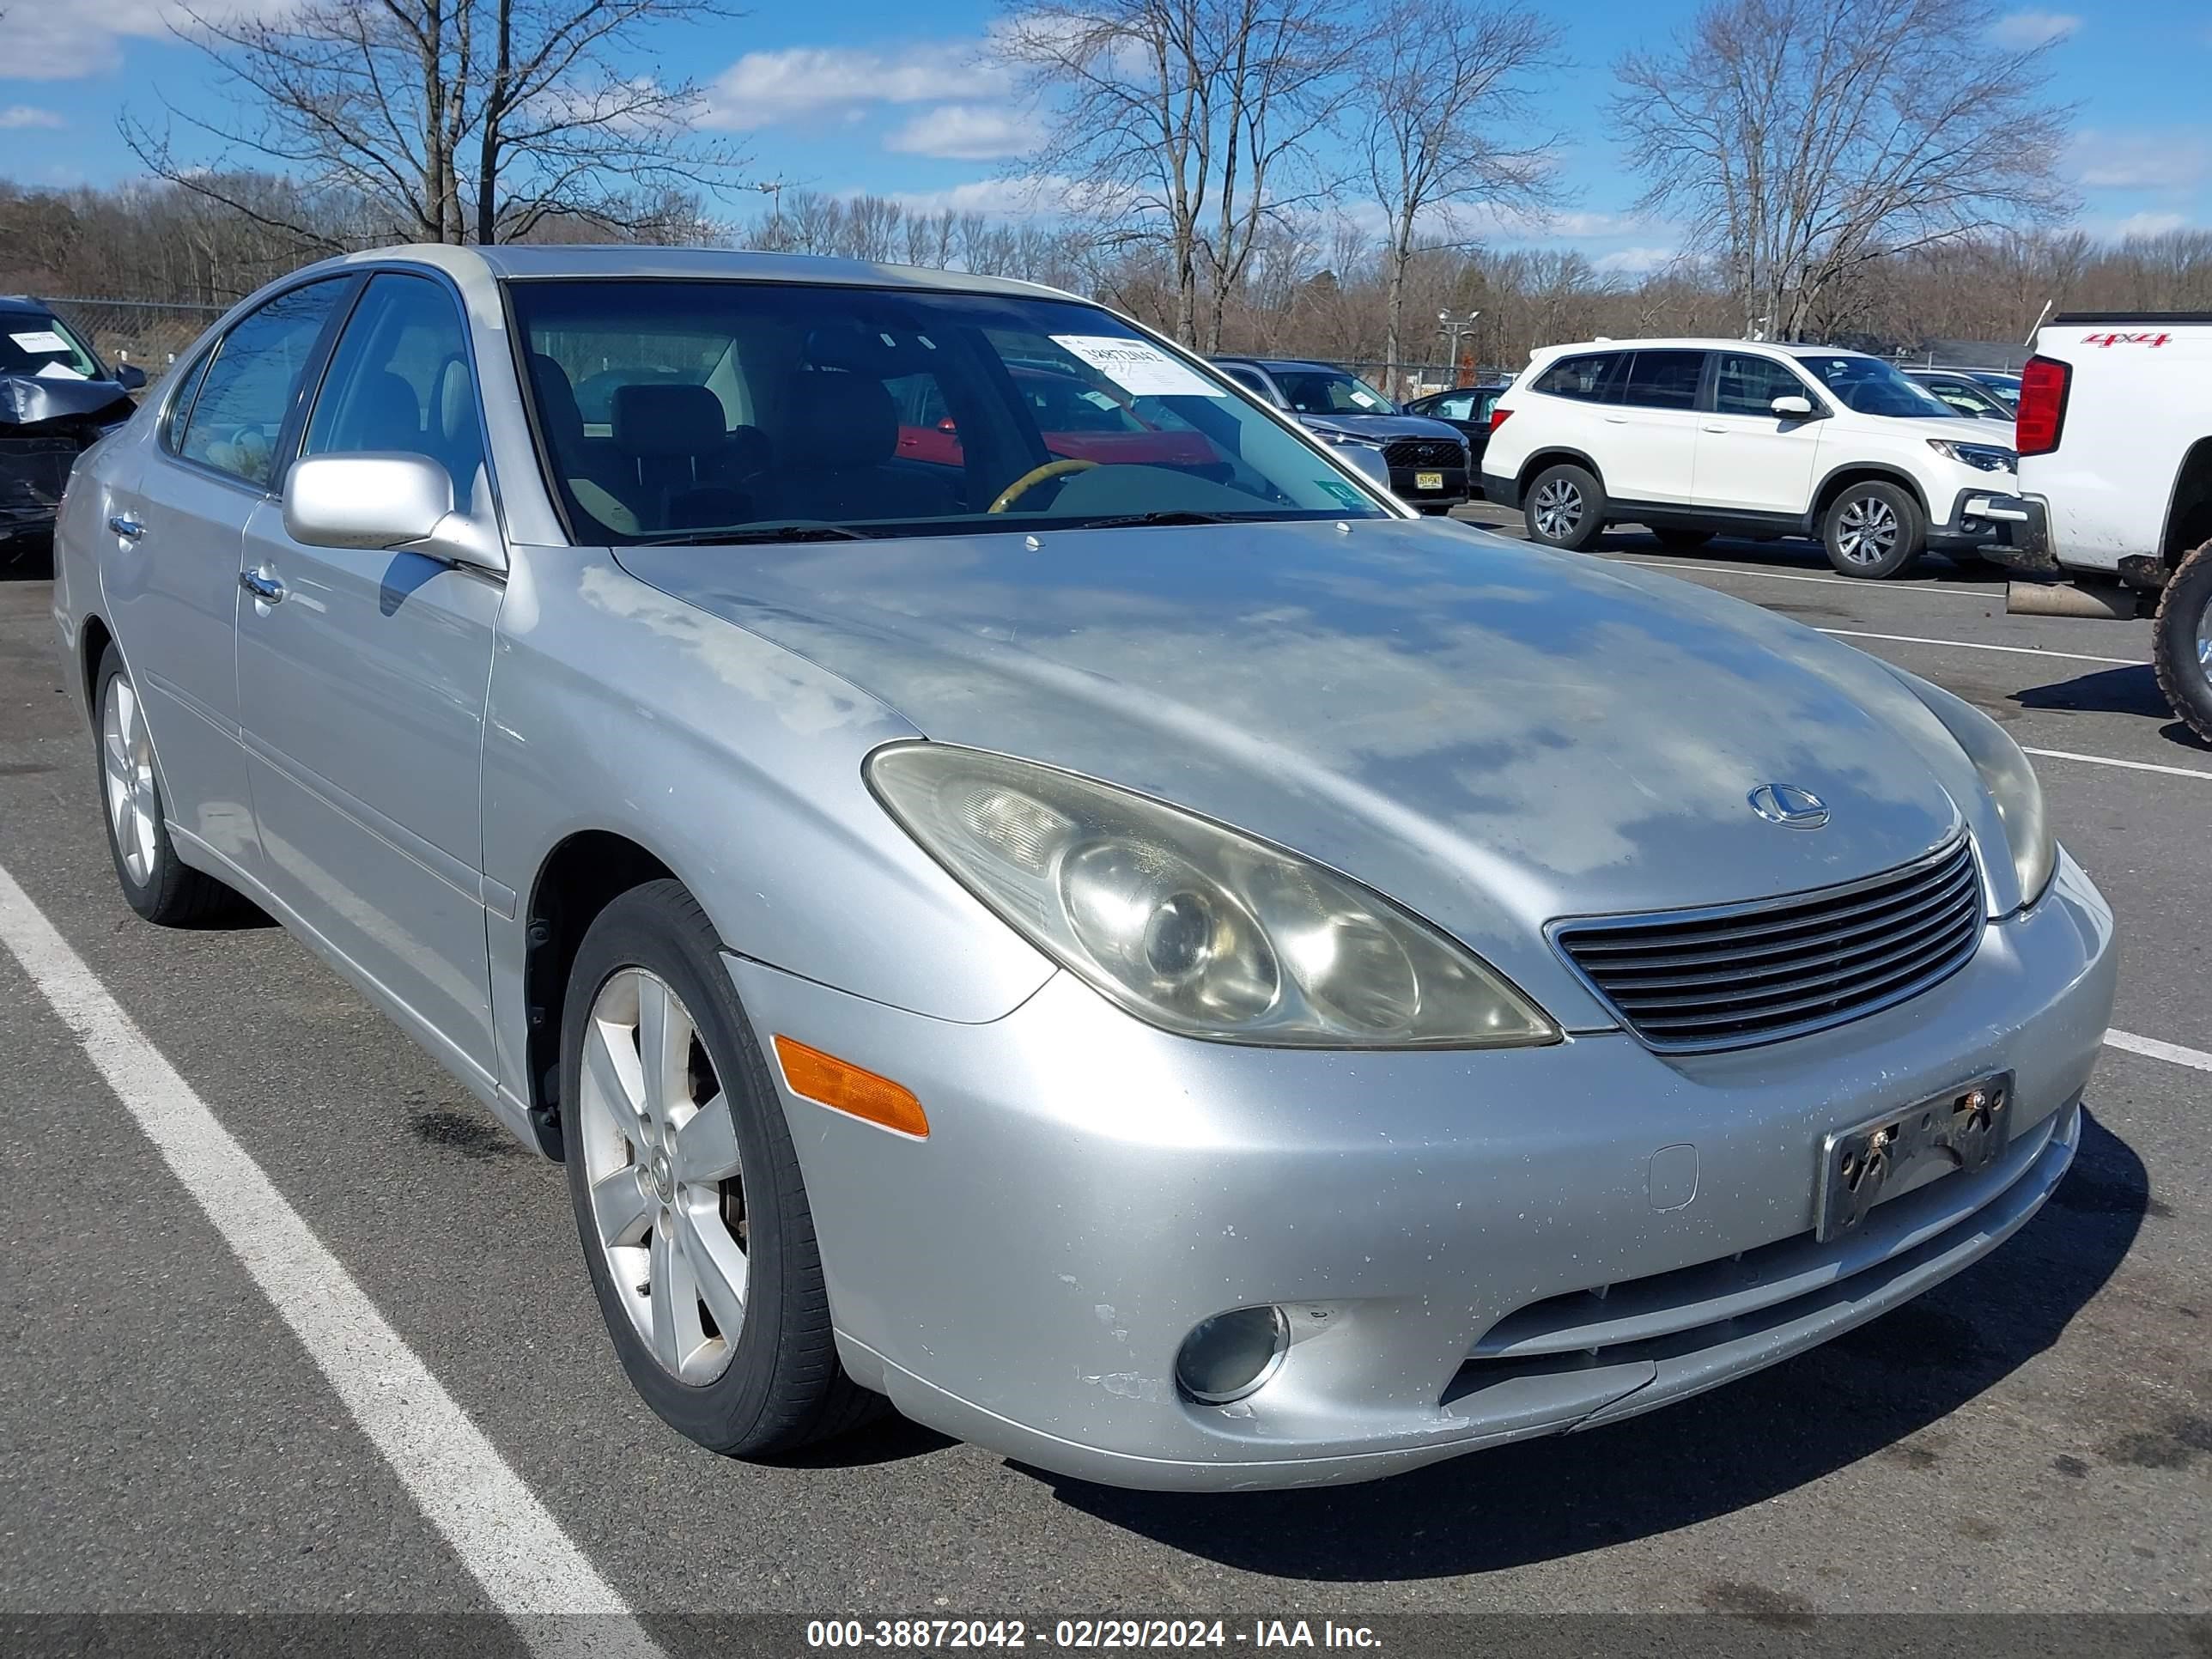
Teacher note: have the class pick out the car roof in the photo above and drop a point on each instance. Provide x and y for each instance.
(505, 262)
(1787, 348)
(24, 305)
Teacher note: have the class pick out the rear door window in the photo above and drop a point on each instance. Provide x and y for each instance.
(1664, 380)
(250, 387)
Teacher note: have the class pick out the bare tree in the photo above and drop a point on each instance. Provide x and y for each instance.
(1801, 139)
(1446, 83)
(1182, 118)
(450, 120)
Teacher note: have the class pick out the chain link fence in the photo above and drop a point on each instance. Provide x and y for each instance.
(1402, 381)
(153, 334)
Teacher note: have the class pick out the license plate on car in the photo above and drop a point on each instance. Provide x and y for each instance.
(1963, 1130)
(1428, 481)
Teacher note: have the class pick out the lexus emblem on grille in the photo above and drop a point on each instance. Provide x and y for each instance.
(1787, 805)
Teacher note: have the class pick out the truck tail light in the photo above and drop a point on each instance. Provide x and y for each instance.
(1498, 417)
(2042, 415)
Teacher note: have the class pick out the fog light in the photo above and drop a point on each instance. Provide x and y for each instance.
(1228, 1356)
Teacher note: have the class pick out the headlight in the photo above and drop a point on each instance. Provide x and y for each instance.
(1986, 458)
(1194, 927)
(2009, 779)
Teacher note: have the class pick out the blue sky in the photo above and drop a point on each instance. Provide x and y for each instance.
(845, 95)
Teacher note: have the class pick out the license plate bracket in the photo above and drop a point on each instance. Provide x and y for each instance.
(1963, 1129)
(1428, 481)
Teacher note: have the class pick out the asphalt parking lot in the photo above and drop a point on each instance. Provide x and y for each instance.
(2036, 1435)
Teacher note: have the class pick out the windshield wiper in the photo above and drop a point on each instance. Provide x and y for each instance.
(737, 535)
(1172, 515)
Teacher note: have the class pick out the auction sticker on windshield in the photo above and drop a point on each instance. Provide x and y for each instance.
(1139, 367)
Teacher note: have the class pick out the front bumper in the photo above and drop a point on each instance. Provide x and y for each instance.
(1982, 520)
(1438, 1225)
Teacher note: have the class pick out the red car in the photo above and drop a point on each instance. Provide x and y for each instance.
(1078, 422)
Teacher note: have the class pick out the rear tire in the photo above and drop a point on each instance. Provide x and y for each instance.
(1565, 508)
(2181, 642)
(1873, 529)
(687, 1196)
(1682, 541)
(157, 883)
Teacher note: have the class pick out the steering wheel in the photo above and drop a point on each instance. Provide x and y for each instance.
(1036, 475)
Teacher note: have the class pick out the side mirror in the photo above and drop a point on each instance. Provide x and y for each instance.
(391, 502)
(131, 377)
(1793, 408)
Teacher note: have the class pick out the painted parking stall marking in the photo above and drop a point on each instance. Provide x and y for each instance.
(2154, 1049)
(530, 1570)
(2108, 760)
(1976, 645)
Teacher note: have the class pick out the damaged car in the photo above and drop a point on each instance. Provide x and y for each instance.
(56, 400)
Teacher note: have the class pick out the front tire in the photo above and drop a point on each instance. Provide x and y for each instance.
(1873, 529)
(157, 883)
(2181, 642)
(687, 1193)
(1566, 507)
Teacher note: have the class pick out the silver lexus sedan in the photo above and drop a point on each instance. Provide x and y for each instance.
(1083, 917)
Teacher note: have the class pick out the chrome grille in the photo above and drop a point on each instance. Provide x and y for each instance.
(1689, 980)
(1426, 452)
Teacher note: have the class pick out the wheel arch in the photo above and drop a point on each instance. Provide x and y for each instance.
(2189, 510)
(93, 639)
(1549, 455)
(1852, 472)
(582, 874)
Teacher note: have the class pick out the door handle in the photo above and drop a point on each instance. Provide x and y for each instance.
(126, 525)
(1713, 428)
(1616, 420)
(267, 589)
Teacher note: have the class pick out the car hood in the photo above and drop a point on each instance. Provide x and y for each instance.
(1381, 428)
(1958, 429)
(1493, 735)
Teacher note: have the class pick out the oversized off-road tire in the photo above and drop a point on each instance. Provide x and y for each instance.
(2181, 641)
(157, 883)
(1873, 529)
(1680, 540)
(1565, 507)
(687, 1196)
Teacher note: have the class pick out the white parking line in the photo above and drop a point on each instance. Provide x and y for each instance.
(1976, 645)
(530, 1570)
(2106, 760)
(2157, 1050)
(1683, 567)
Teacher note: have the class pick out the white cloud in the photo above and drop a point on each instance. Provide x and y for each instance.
(1040, 194)
(763, 88)
(2173, 158)
(66, 39)
(2150, 224)
(966, 132)
(2021, 29)
(16, 116)
(1634, 261)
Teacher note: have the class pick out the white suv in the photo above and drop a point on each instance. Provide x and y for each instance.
(1699, 438)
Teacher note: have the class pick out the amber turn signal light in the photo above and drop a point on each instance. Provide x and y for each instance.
(845, 1087)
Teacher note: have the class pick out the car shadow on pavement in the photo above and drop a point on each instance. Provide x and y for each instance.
(1870, 1393)
(2130, 690)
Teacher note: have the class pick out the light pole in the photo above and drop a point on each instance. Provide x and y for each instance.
(1452, 329)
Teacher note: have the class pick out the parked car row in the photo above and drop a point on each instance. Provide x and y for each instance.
(1024, 888)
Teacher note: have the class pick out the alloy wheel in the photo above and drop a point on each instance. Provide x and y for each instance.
(2204, 639)
(1867, 532)
(126, 753)
(1558, 509)
(661, 1159)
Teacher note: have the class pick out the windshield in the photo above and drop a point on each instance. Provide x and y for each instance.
(41, 344)
(693, 411)
(2005, 388)
(1330, 391)
(1871, 387)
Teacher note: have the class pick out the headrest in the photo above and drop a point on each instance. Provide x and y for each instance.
(832, 421)
(556, 403)
(387, 403)
(668, 420)
(456, 404)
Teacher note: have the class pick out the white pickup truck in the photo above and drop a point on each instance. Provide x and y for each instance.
(2115, 438)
